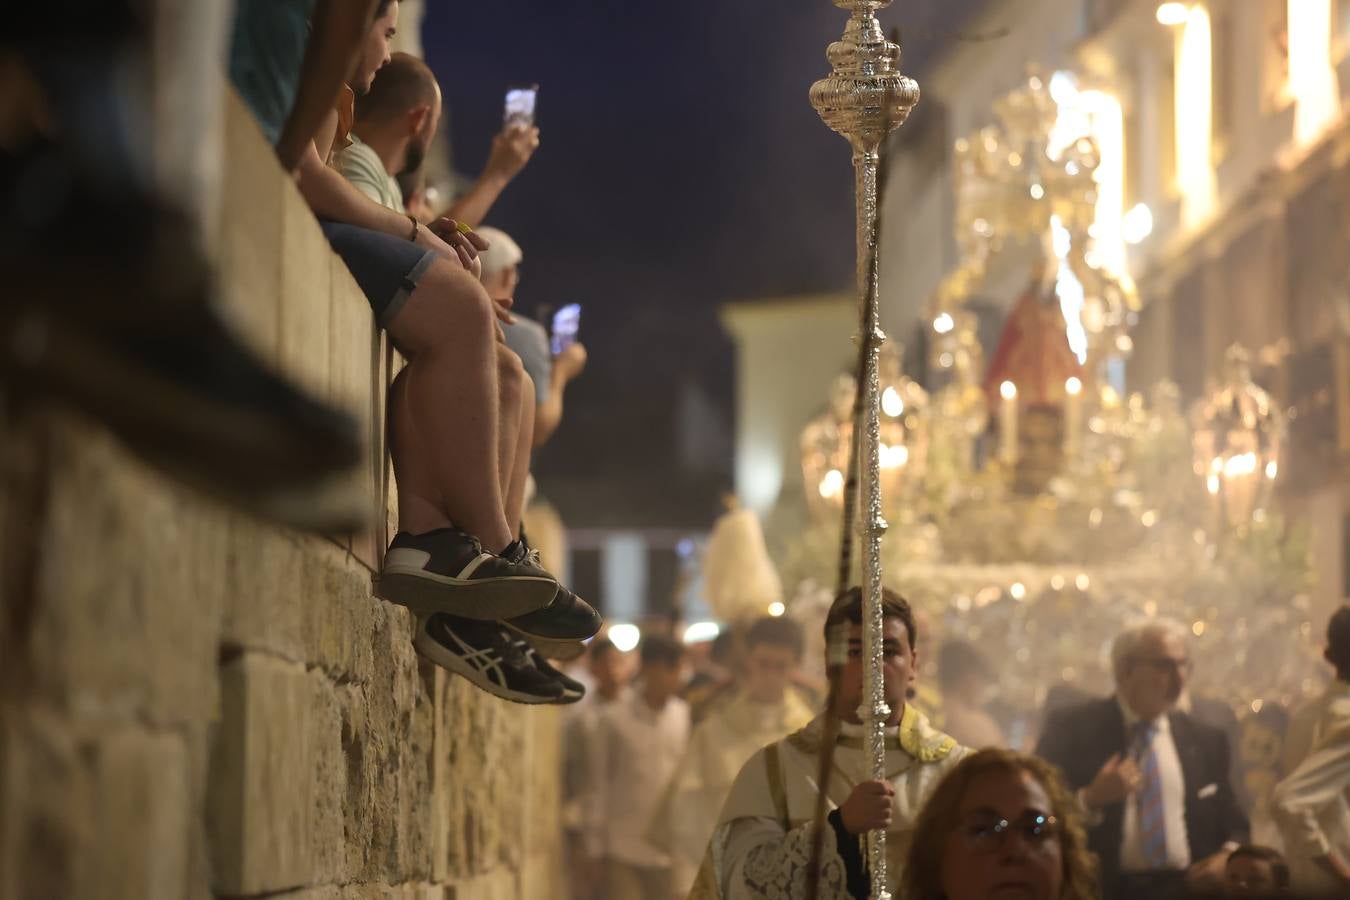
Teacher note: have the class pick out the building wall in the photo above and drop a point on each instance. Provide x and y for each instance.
(193, 704)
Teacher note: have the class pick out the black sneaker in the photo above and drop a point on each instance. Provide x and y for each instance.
(481, 653)
(448, 571)
(556, 630)
(573, 690)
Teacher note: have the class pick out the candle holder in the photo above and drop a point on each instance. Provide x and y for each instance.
(865, 98)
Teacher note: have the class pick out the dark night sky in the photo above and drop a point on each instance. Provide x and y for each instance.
(681, 166)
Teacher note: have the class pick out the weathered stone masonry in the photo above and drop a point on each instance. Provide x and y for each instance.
(193, 704)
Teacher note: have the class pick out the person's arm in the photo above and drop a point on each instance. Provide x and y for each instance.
(1299, 800)
(337, 29)
(332, 197)
(548, 415)
(511, 150)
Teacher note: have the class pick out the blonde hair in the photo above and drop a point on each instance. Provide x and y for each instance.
(937, 822)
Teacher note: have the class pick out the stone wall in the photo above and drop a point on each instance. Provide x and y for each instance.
(193, 704)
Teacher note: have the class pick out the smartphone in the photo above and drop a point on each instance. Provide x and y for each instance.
(520, 100)
(566, 321)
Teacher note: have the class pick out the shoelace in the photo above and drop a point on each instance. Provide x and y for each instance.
(532, 557)
(509, 651)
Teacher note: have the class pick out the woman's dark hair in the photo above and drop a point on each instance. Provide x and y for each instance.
(847, 607)
(1268, 855)
(381, 8)
(938, 821)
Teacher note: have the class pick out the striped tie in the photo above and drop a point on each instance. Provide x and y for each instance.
(1152, 825)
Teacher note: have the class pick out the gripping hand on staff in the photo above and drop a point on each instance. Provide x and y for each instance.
(1118, 778)
(868, 807)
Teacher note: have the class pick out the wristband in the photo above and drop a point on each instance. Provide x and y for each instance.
(413, 219)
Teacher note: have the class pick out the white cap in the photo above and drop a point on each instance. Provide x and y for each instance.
(502, 252)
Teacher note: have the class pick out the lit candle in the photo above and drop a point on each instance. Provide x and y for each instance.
(1007, 423)
(1073, 416)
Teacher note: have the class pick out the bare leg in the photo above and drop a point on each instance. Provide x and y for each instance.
(511, 380)
(514, 500)
(445, 409)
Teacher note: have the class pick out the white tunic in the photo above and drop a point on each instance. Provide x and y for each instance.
(762, 845)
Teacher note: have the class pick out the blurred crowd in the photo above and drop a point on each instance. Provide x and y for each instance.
(691, 770)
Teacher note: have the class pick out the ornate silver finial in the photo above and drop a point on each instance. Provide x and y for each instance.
(865, 97)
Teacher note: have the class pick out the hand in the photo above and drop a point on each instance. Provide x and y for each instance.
(1207, 874)
(511, 150)
(465, 246)
(569, 363)
(868, 807)
(1118, 779)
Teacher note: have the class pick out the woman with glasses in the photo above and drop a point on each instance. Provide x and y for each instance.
(1000, 824)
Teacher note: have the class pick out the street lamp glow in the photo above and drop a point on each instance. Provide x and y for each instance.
(1007, 390)
(624, 637)
(944, 323)
(699, 632)
(776, 609)
(1172, 14)
(1073, 386)
(891, 403)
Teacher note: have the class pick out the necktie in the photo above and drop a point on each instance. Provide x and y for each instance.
(1152, 825)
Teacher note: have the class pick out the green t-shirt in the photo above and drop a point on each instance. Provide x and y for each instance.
(267, 51)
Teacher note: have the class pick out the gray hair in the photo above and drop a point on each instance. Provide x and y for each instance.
(1125, 647)
(502, 252)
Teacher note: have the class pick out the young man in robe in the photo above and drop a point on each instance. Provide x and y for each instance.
(761, 847)
(764, 707)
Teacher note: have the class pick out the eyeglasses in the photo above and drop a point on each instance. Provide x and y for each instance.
(987, 835)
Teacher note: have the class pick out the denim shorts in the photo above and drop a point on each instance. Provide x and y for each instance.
(386, 267)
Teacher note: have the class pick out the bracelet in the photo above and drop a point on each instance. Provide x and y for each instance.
(413, 219)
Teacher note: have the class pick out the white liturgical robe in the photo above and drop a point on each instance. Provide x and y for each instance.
(761, 847)
(718, 747)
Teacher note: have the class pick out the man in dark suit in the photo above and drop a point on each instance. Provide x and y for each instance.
(1153, 780)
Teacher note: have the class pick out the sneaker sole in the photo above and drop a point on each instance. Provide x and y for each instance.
(562, 650)
(486, 599)
(432, 651)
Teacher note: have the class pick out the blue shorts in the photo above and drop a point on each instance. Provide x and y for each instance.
(386, 267)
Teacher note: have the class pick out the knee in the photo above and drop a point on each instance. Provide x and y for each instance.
(447, 305)
(510, 372)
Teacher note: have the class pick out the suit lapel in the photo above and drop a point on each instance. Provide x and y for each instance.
(1188, 751)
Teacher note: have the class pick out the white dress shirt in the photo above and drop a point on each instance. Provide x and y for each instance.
(1174, 802)
(1312, 805)
(635, 753)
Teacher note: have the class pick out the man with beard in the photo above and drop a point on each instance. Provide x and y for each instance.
(1152, 779)
(394, 124)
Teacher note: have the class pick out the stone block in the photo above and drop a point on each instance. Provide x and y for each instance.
(502, 884)
(259, 810)
(125, 554)
(143, 813)
(44, 832)
(356, 384)
(250, 233)
(338, 613)
(306, 295)
(265, 581)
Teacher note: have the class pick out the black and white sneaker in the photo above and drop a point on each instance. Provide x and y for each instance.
(483, 654)
(448, 571)
(556, 630)
(573, 690)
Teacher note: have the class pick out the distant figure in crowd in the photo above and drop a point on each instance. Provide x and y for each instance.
(1312, 805)
(761, 846)
(608, 669)
(527, 338)
(714, 678)
(1254, 871)
(762, 709)
(966, 679)
(1000, 825)
(638, 742)
(1155, 782)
